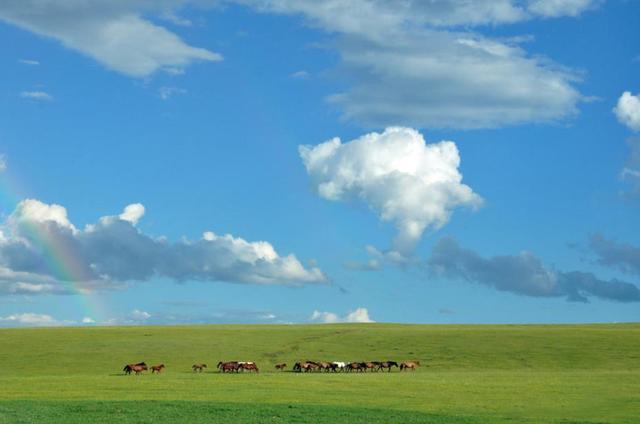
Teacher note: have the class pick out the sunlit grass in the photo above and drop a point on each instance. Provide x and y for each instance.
(586, 373)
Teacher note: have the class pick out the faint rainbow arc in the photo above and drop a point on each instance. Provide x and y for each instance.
(59, 258)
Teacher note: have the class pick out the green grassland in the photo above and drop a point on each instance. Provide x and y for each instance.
(470, 374)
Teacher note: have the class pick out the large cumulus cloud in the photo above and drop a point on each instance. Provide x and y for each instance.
(397, 174)
(41, 251)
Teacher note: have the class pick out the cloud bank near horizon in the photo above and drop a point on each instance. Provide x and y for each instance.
(42, 252)
(524, 274)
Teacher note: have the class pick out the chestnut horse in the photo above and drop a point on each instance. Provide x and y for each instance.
(138, 368)
(249, 366)
(198, 367)
(157, 368)
(129, 367)
(409, 365)
(281, 367)
(228, 366)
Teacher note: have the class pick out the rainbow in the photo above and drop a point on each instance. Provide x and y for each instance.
(58, 256)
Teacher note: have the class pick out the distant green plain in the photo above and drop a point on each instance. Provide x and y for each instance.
(470, 374)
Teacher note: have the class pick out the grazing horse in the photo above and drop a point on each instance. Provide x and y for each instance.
(157, 368)
(228, 366)
(129, 367)
(412, 365)
(138, 368)
(198, 367)
(249, 366)
(281, 367)
(388, 365)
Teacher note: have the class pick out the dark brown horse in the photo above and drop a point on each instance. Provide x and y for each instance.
(409, 365)
(157, 368)
(129, 367)
(281, 367)
(228, 366)
(388, 365)
(198, 367)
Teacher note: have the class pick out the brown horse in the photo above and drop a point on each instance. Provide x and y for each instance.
(157, 368)
(198, 367)
(373, 366)
(409, 365)
(355, 366)
(325, 366)
(129, 367)
(249, 366)
(228, 366)
(281, 367)
(138, 368)
(306, 366)
(388, 365)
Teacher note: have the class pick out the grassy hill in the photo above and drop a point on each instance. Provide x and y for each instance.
(471, 374)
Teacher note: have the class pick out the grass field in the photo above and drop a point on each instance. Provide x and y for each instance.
(471, 374)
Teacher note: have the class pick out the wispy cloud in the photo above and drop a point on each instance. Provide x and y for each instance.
(117, 34)
(301, 74)
(36, 95)
(29, 62)
(166, 93)
(29, 319)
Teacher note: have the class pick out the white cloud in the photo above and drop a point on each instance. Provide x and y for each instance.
(628, 110)
(113, 252)
(132, 213)
(300, 74)
(556, 8)
(138, 315)
(112, 32)
(404, 180)
(35, 211)
(29, 62)
(88, 320)
(359, 315)
(413, 63)
(36, 95)
(32, 320)
(168, 92)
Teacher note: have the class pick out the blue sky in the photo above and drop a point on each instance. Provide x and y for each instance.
(488, 168)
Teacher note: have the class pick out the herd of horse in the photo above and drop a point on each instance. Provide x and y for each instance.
(304, 366)
(373, 366)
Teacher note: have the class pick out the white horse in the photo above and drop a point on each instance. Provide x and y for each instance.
(340, 365)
